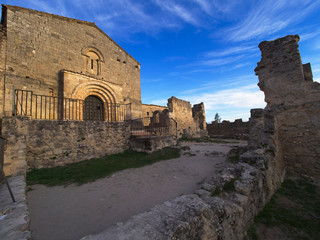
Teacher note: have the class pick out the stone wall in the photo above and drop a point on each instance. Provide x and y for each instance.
(40, 45)
(148, 109)
(181, 112)
(208, 214)
(237, 129)
(293, 99)
(44, 143)
(198, 113)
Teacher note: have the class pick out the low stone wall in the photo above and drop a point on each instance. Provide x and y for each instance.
(225, 206)
(207, 214)
(237, 129)
(47, 143)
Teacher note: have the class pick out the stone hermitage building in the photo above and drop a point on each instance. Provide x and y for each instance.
(57, 56)
(68, 70)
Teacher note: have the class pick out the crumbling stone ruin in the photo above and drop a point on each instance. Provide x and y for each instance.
(237, 129)
(293, 105)
(283, 140)
(191, 120)
(77, 66)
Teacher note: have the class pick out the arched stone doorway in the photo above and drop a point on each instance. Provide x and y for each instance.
(93, 109)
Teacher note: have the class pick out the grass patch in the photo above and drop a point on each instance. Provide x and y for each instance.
(295, 209)
(204, 139)
(91, 170)
(234, 159)
(216, 192)
(227, 187)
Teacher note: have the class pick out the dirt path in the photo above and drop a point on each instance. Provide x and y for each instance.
(69, 213)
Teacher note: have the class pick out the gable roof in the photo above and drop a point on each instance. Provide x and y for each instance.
(91, 24)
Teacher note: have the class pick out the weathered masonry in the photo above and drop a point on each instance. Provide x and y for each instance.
(284, 137)
(64, 83)
(293, 105)
(53, 67)
(191, 121)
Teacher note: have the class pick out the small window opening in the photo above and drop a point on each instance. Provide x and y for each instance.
(91, 63)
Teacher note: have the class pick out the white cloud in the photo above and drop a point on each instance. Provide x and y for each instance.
(236, 101)
(231, 104)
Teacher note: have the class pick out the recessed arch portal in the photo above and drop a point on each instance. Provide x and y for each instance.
(93, 109)
(89, 92)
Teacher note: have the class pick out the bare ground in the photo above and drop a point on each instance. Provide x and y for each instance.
(68, 213)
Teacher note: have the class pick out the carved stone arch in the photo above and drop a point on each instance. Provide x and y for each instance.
(103, 92)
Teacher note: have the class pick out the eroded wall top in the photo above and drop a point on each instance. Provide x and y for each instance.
(282, 76)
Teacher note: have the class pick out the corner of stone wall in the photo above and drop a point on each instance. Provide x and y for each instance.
(14, 131)
(292, 110)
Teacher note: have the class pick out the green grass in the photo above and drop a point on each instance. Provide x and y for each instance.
(234, 158)
(295, 208)
(227, 187)
(93, 169)
(205, 139)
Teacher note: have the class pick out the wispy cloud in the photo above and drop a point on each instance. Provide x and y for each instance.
(269, 17)
(214, 62)
(310, 35)
(231, 51)
(178, 10)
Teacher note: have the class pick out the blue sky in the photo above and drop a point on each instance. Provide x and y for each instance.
(198, 50)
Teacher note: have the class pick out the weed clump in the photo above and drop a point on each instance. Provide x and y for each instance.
(294, 209)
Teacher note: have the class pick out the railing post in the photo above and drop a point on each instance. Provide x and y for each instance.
(13, 101)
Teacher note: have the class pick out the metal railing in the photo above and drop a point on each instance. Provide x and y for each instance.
(151, 126)
(36, 106)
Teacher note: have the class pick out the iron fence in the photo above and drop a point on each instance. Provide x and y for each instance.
(152, 126)
(36, 106)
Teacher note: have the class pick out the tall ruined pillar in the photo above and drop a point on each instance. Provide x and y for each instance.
(293, 99)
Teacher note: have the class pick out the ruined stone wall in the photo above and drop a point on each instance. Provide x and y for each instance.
(148, 109)
(47, 143)
(293, 99)
(208, 214)
(198, 113)
(181, 112)
(40, 45)
(237, 129)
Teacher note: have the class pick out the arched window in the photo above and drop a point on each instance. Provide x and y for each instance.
(93, 63)
(93, 59)
(93, 109)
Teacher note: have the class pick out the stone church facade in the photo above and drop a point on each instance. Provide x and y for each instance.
(70, 71)
(48, 55)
